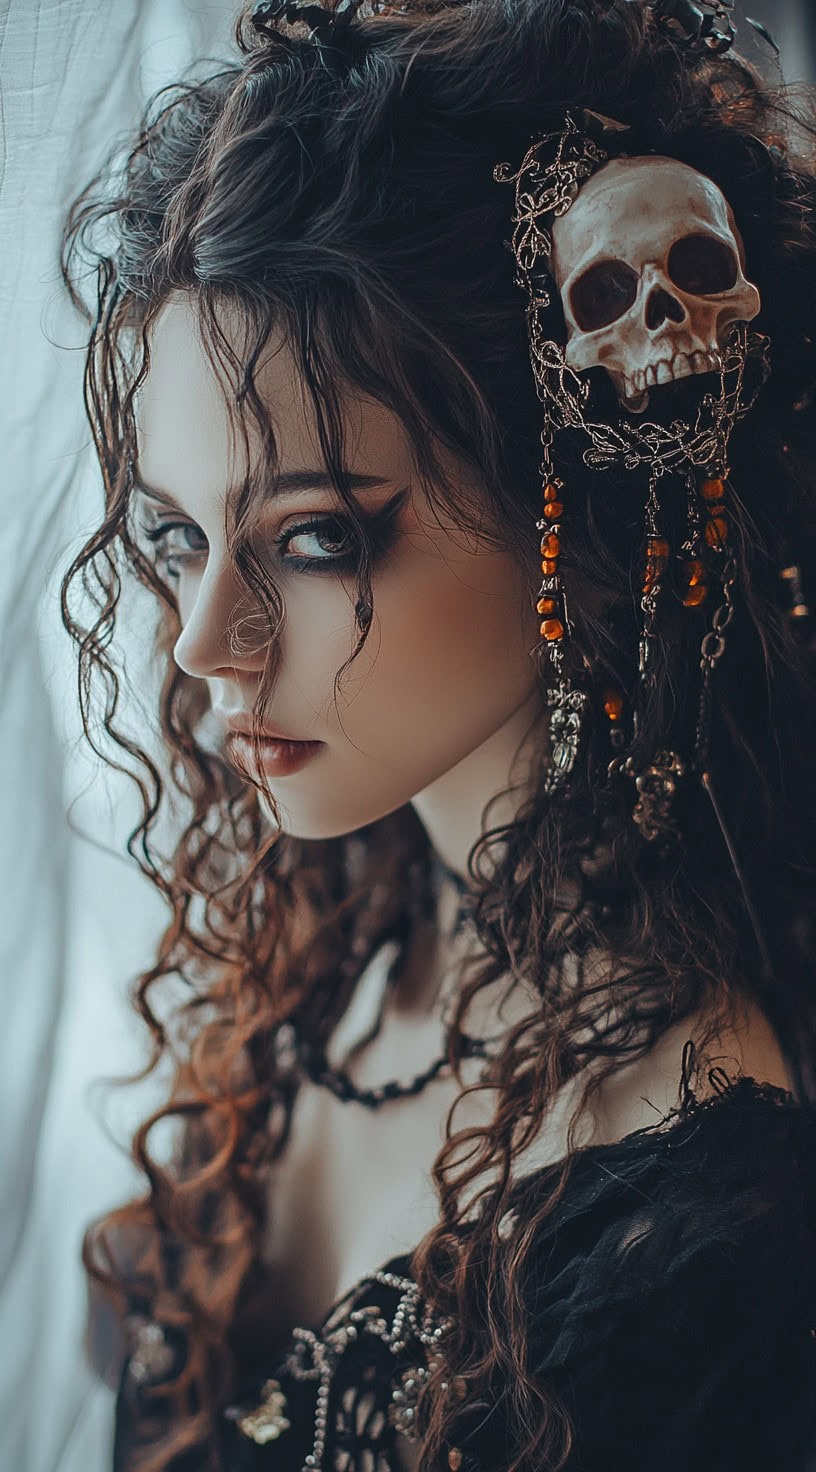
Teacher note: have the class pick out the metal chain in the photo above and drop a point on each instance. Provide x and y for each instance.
(713, 645)
(712, 650)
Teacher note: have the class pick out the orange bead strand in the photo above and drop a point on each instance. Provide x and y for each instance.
(715, 530)
(552, 625)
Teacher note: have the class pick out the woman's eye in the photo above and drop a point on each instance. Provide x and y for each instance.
(332, 543)
(333, 537)
(175, 543)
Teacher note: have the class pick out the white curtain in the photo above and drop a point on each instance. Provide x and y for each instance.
(76, 920)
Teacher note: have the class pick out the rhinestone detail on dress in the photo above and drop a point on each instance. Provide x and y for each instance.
(408, 1328)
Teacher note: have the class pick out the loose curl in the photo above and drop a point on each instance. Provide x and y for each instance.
(343, 192)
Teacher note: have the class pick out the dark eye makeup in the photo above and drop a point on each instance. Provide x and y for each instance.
(334, 530)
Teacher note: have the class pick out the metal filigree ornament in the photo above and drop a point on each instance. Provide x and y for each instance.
(267, 1421)
(566, 706)
(660, 299)
(656, 786)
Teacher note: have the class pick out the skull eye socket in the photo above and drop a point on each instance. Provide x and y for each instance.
(702, 265)
(602, 295)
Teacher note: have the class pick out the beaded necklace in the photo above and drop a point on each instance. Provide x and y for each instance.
(316, 1067)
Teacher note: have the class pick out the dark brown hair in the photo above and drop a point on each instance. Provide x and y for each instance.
(346, 196)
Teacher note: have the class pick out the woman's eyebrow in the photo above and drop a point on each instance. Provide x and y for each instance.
(288, 482)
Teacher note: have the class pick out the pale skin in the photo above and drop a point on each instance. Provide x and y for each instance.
(439, 711)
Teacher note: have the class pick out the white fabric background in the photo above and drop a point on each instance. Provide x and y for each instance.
(76, 922)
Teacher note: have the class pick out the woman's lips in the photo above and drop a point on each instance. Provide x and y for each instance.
(278, 758)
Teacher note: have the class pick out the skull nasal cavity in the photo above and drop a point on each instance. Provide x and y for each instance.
(660, 307)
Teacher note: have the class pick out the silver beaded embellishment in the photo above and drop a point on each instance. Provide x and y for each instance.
(268, 1421)
(317, 1356)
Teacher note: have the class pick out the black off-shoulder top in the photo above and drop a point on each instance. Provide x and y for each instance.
(672, 1308)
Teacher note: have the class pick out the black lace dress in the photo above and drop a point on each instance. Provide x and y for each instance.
(672, 1307)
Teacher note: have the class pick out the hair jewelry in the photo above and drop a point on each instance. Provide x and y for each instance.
(656, 562)
(693, 579)
(617, 283)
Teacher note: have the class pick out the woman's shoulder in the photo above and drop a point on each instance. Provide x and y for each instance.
(713, 1133)
(740, 1044)
(669, 1286)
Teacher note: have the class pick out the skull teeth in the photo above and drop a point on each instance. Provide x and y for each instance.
(667, 370)
(682, 366)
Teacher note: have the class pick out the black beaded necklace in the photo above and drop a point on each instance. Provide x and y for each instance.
(316, 1067)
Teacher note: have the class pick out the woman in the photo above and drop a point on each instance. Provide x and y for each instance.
(492, 903)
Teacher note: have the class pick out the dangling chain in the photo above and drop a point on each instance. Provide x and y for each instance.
(566, 703)
(711, 652)
(655, 564)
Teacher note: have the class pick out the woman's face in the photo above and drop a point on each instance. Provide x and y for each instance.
(449, 657)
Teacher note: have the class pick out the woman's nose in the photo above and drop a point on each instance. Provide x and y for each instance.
(223, 627)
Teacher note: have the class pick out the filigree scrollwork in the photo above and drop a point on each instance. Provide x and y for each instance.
(656, 786)
(567, 706)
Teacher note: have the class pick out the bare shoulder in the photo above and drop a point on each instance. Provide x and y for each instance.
(642, 1092)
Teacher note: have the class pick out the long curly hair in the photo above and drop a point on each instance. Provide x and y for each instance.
(343, 192)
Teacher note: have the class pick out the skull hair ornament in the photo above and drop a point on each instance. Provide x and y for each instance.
(648, 262)
(645, 255)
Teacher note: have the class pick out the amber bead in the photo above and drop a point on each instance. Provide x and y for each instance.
(550, 545)
(613, 705)
(549, 566)
(713, 490)
(552, 629)
(454, 1459)
(657, 549)
(716, 531)
(695, 572)
(551, 493)
(695, 595)
(545, 605)
(553, 510)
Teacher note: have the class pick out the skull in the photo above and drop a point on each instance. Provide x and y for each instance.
(649, 265)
